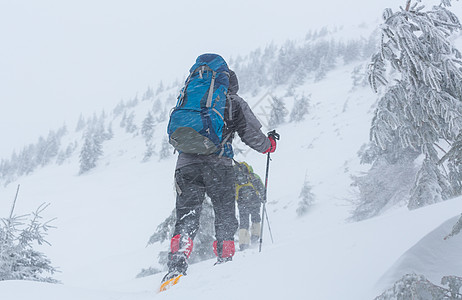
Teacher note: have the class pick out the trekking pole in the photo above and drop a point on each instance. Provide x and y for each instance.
(276, 137)
(269, 227)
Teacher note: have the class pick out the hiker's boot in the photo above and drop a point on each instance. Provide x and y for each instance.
(180, 250)
(255, 230)
(224, 251)
(244, 239)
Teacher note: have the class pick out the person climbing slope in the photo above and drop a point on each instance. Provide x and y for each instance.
(249, 196)
(202, 126)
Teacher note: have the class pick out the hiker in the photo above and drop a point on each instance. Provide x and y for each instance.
(207, 166)
(249, 194)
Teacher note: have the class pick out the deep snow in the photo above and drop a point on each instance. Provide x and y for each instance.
(105, 217)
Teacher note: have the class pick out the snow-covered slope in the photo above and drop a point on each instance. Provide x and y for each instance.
(431, 255)
(105, 217)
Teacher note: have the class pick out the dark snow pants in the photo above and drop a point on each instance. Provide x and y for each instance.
(192, 182)
(249, 205)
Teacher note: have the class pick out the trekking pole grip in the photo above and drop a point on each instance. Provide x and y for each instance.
(274, 134)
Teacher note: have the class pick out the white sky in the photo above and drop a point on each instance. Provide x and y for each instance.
(61, 58)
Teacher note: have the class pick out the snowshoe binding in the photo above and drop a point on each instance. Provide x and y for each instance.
(222, 260)
(169, 280)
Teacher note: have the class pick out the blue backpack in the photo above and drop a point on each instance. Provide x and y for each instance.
(197, 121)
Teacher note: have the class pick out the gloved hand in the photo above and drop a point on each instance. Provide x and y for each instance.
(272, 148)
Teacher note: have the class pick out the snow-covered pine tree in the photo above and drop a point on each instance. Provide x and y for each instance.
(278, 113)
(388, 181)
(421, 105)
(358, 76)
(130, 126)
(164, 230)
(326, 54)
(300, 108)
(454, 284)
(6, 171)
(322, 69)
(413, 286)
(67, 153)
(18, 258)
(157, 105)
(132, 103)
(306, 198)
(205, 236)
(109, 133)
(80, 123)
(47, 149)
(455, 229)
(27, 162)
(99, 130)
(160, 88)
(430, 185)
(286, 63)
(91, 151)
(33, 156)
(162, 112)
(148, 95)
(149, 152)
(120, 107)
(147, 131)
(446, 2)
(123, 120)
(254, 74)
(352, 51)
(147, 128)
(166, 149)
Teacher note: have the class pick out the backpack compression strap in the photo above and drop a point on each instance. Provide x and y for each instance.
(212, 85)
(201, 70)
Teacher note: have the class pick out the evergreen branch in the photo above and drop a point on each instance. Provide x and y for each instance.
(439, 147)
(408, 5)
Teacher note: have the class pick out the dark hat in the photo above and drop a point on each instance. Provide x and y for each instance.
(233, 83)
